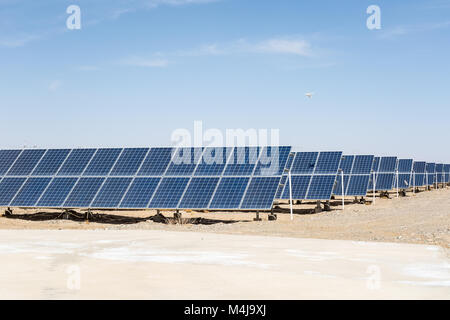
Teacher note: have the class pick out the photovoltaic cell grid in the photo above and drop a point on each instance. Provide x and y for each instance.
(356, 173)
(430, 173)
(418, 176)
(384, 168)
(404, 169)
(247, 178)
(313, 175)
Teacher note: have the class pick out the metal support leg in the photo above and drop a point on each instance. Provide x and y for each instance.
(257, 218)
(327, 206)
(318, 208)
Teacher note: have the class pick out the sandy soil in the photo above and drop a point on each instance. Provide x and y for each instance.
(422, 218)
(153, 264)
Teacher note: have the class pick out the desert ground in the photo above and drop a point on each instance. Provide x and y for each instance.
(396, 248)
(421, 218)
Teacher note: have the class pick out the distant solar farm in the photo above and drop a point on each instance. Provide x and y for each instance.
(234, 178)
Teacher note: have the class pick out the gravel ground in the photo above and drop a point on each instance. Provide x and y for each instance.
(422, 218)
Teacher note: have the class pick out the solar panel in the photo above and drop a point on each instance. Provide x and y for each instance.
(184, 161)
(447, 173)
(260, 193)
(76, 162)
(229, 193)
(7, 158)
(8, 189)
(30, 192)
(156, 162)
(56, 192)
(199, 193)
(418, 176)
(272, 161)
(356, 170)
(102, 162)
(213, 161)
(169, 193)
(111, 193)
(430, 170)
(313, 175)
(242, 162)
(160, 178)
(439, 172)
(140, 193)
(384, 168)
(26, 162)
(129, 162)
(404, 169)
(83, 193)
(51, 162)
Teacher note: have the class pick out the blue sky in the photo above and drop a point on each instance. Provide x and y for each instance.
(138, 70)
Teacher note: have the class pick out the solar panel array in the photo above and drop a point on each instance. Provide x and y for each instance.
(404, 173)
(418, 177)
(313, 175)
(430, 173)
(159, 178)
(356, 173)
(384, 168)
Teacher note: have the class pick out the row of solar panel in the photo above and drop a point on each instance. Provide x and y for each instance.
(156, 192)
(245, 161)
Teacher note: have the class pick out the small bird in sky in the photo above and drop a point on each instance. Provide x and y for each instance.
(309, 94)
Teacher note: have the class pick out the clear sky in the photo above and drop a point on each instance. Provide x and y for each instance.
(138, 70)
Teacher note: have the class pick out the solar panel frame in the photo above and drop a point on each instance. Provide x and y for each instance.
(74, 177)
(356, 170)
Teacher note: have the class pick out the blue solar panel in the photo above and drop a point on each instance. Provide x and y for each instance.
(357, 185)
(405, 165)
(388, 164)
(129, 162)
(140, 193)
(84, 192)
(184, 161)
(51, 162)
(430, 167)
(111, 193)
(156, 162)
(102, 162)
(260, 193)
(30, 192)
(8, 189)
(418, 179)
(26, 162)
(347, 164)
(76, 162)
(284, 181)
(272, 161)
(229, 193)
(376, 164)
(299, 187)
(356, 181)
(57, 192)
(363, 164)
(169, 193)
(290, 161)
(242, 162)
(447, 172)
(321, 187)
(213, 161)
(338, 186)
(440, 173)
(384, 181)
(419, 166)
(304, 162)
(199, 193)
(7, 158)
(404, 180)
(328, 162)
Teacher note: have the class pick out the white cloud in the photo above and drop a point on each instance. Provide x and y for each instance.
(54, 85)
(18, 41)
(405, 30)
(288, 46)
(145, 62)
